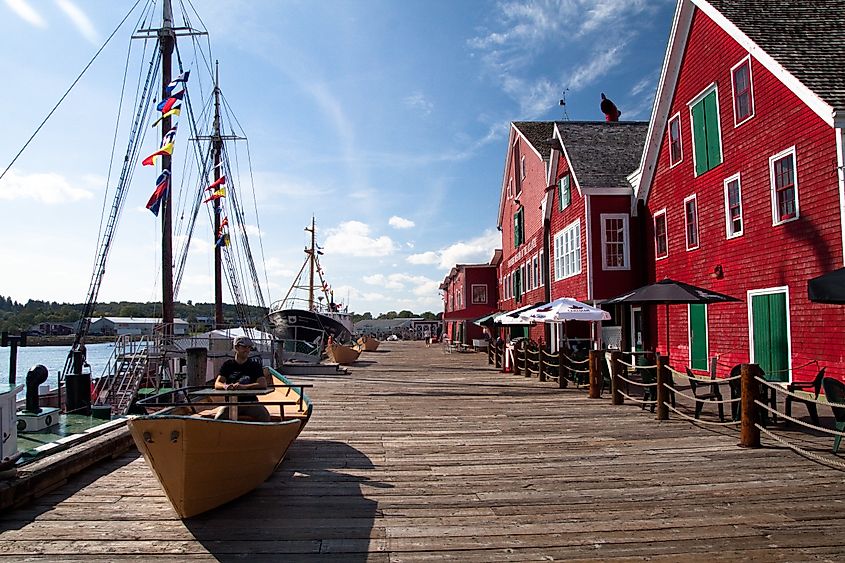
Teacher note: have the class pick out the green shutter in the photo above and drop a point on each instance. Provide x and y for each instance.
(516, 230)
(564, 195)
(698, 336)
(699, 133)
(517, 285)
(711, 121)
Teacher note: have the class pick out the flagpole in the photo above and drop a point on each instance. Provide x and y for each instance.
(217, 144)
(166, 42)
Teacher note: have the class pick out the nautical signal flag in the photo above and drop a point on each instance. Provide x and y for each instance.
(216, 184)
(223, 225)
(151, 160)
(166, 105)
(177, 109)
(162, 185)
(217, 194)
(175, 82)
(223, 240)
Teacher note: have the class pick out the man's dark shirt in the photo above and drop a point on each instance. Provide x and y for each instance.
(233, 372)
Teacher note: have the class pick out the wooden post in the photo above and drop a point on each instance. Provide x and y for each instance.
(497, 355)
(490, 352)
(541, 374)
(195, 368)
(516, 359)
(749, 434)
(662, 393)
(595, 374)
(615, 368)
(561, 371)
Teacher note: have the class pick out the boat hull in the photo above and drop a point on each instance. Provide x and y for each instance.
(368, 343)
(204, 463)
(307, 326)
(341, 354)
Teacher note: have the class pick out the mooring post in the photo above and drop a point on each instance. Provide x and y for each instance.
(516, 359)
(497, 355)
(561, 370)
(595, 374)
(615, 368)
(749, 434)
(540, 363)
(662, 392)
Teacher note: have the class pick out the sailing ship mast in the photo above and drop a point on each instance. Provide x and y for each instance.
(217, 149)
(167, 39)
(313, 259)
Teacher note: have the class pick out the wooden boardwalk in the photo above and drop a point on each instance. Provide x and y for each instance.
(419, 455)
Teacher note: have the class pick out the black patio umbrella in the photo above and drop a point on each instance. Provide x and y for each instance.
(667, 292)
(828, 288)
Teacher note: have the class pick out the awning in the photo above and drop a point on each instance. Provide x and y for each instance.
(486, 320)
(511, 318)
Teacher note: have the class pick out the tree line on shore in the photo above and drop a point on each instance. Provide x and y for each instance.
(16, 317)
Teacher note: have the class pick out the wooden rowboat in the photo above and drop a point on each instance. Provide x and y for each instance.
(368, 343)
(340, 354)
(202, 463)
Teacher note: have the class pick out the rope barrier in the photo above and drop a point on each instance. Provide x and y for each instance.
(829, 431)
(782, 390)
(579, 370)
(637, 383)
(834, 463)
(633, 400)
(626, 364)
(718, 380)
(571, 361)
(697, 400)
(551, 365)
(699, 421)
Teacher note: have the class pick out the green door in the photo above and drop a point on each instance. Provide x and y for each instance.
(771, 349)
(698, 336)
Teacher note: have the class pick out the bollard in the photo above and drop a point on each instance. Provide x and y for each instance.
(662, 393)
(542, 373)
(561, 371)
(595, 375)
(749, 434)
(615, 356)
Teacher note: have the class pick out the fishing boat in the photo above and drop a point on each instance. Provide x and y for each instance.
(304, 325)
(368, 343)
(202, 463)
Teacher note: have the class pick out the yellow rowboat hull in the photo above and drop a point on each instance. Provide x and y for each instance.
(340, 354)
(203, 463)
(368, 343)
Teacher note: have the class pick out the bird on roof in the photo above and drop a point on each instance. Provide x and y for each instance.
(609, 109)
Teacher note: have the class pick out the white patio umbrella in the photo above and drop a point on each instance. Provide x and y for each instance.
(564, 309)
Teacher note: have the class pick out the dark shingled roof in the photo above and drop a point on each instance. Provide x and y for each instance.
(806, 37)
(603, 153)
(538, 134)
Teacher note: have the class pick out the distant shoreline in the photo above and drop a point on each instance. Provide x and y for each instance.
(32, 340)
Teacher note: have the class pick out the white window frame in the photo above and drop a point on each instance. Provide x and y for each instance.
(569, 235)
(697, 223)
(775, 215)
(698, 98)
(522, 168)
(728, 222)
(542, 280)
(680, 139)
(528, 277)
(472, 296)
(535, 264)
(747, 59)
(626, 253)
(654, 226)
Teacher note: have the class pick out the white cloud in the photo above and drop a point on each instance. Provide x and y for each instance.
(46, 187)
(252, 230)
(478, 250)
(26, 13)
(417, 101)
(400, 223)
(80, 20)
(352, 238)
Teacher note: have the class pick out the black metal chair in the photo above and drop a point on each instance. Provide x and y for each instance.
(834, 390)
(715, 394)
(815, 385)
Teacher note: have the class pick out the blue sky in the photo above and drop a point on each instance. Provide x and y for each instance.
(387, 120)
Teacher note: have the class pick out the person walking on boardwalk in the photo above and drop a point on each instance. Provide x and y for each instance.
(242, 373)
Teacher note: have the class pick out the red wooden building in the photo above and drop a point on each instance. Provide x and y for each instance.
(742, 181)
(469, 292)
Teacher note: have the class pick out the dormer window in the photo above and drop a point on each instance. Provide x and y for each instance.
(564, 193)
(742, 92)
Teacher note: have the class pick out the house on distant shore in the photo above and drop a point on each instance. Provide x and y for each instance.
(132, 326)
(406, 328)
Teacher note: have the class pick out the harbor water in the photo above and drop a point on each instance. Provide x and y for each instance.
(53, 358)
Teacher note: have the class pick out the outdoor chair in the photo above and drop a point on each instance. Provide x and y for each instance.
(834, 390)
(702, 395)
(815, 385)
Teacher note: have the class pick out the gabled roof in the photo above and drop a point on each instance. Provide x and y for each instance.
(806, 37)
(538, 135)
(602, 154)
(799, 41)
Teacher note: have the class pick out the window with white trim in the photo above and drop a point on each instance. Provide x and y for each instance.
(614, 241)
(661, 238)
(564, 193)
(733, 207)
(568, 251)
(691, 221)
(542, 277)
(743, 97)
(706, 133)
(676, 153)
(479, 294)
(529, 276)
(536, 270)
(522, 168)
(784, 180)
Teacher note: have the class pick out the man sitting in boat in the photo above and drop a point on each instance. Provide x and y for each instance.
(242, 373)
